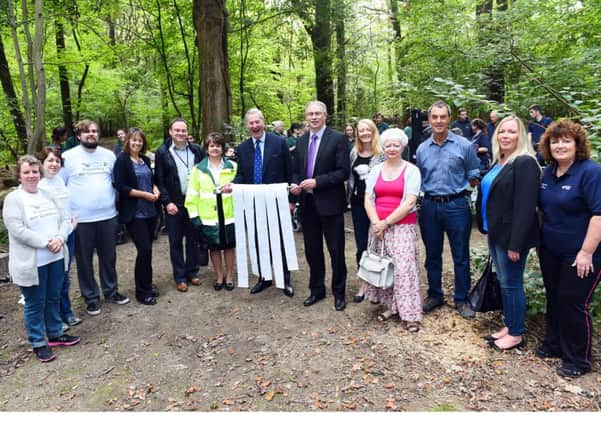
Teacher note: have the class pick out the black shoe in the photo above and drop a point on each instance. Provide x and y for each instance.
(44, 354)
(432, 303)
(312, 300)
(542, 353)
(288, 290)
(464, 309)
(155, 292)
(63, 340)
(218, 286)
(229, 286)
(339, 304)
(358, 298)
(521, 344)
(93, 309)
(570, 372)
(147, 301)
(117, 298)
(261, 285)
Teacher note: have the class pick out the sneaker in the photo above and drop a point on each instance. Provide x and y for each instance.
(63, 340)
(66, 327)
(93, 309)
(73, 320)
(44, 354)
(432, 303)
(117, 298)
(464, 309)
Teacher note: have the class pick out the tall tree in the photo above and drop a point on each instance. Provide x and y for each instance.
(210, 21)
(63, 75)
(11, 97)
(340, 11)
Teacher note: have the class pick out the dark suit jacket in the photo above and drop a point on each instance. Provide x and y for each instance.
(125, 180)
(511, 206)
(332, 168)
(165, 173)
(277, 163)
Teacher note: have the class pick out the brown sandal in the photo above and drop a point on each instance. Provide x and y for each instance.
(412, 327)
(383, 317)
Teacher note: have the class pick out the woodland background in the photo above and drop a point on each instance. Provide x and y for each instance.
(142, 62)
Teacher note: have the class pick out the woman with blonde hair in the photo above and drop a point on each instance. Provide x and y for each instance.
(506, 209)
(365, 154)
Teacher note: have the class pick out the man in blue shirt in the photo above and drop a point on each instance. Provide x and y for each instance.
(448, 165)
(464, 123)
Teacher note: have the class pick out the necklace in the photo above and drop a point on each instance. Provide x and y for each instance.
(175, 150)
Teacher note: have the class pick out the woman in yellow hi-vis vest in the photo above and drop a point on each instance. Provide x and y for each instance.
(212, 211)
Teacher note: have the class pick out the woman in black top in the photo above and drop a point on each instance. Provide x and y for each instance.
(136, 205)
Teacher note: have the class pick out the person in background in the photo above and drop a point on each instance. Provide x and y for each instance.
(448, 165)
(380, 123)
(136, 204)
(38, 228)
(279, 129)
(293, 135)
(492, 124)
(536, 129)
(463, 122)
(174, 161)
(120, 142)
(350, 132)
(481, 143)
(506, 209)
(366, 153)
(212, 211)
(72, 141)
(59, 136)
(390, 197)
(230, 154)
(570, 254)
(53, 183)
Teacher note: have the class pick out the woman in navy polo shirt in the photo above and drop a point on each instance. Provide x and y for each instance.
(570, 255)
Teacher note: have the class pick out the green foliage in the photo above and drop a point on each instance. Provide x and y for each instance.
(3, 234)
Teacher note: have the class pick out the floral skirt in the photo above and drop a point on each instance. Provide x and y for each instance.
(404, 297)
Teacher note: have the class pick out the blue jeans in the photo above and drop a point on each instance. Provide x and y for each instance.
(42, 304)
(361, 225)
(511, 277)
(454, 218)
(65, 303)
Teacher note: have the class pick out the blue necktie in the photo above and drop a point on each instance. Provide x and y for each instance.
(258, 172)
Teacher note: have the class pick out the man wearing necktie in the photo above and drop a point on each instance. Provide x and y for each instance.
(264, 158)
(321, 166)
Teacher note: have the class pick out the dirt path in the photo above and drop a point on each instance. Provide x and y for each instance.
(230, 351)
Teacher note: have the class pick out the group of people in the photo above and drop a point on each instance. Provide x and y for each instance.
(519, 206)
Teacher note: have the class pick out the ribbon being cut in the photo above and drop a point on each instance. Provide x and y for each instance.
(263, 207)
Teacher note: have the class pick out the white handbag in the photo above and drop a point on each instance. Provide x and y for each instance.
(376, 269)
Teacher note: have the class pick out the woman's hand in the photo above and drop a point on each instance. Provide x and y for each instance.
(513, 255)
(55, 244)
(155, 191)
(150, 197)
(583, 264)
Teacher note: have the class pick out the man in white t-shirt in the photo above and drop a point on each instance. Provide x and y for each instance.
(88, 174)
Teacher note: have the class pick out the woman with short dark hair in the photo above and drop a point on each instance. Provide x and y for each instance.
(570, 254)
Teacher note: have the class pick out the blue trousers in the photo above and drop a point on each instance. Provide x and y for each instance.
(42, 304)
(511, 277)
(455, 219)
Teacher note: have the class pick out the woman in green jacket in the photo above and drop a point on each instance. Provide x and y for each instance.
(213, 211)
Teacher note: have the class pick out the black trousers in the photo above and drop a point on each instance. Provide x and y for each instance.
(315, 228)
(569, 327)
(179, 228)
(141, 231)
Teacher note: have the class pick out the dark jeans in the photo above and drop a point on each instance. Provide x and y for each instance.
(101, 236)
(454, 218)
(315, 228)
(511, 277)
(141, 230)
(42, 302)
(65, 309)
(179, 228)
(361, 225)
(569, 328)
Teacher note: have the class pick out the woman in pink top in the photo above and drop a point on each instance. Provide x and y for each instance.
(391, 193)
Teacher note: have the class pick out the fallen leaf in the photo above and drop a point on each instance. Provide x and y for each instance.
(190, 390)
(389, 386)
(231, 350)
(266, 384)
(228, 402)
(349, 405)
(269, 395)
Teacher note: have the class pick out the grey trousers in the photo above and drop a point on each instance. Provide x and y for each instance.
(101, 236)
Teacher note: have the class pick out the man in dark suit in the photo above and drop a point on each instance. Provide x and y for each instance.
(321, 166)
(270, 165)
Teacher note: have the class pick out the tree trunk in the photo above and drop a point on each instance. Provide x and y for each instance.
(13, 103)
(339, 13)
(396, 30)
(494, 75)
(63, 75)
(38, 137)
(321, 36)
(210, 21)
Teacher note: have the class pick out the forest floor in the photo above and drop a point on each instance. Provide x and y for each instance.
(231, 351)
